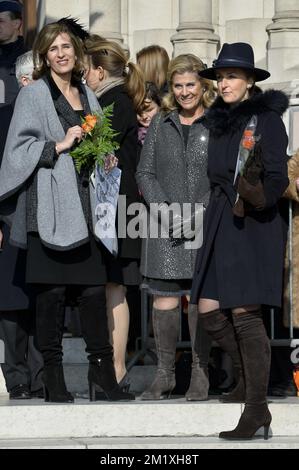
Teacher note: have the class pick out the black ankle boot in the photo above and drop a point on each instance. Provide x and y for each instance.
(54, 385)
(101, 378)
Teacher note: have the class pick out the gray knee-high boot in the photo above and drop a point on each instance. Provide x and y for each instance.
(201, 343)
(222, 331)
(166, 325)
(256, 355)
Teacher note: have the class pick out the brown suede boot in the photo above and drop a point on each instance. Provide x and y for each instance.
(166, 324)
(256, 355)
(201, 347)
(222, 331)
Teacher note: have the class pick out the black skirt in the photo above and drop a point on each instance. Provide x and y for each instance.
(83, 265)
(123, 271)
(167, 287)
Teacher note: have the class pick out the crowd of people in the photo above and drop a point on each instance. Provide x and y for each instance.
(182, 143)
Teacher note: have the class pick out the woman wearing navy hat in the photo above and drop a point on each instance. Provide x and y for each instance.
(240, 265)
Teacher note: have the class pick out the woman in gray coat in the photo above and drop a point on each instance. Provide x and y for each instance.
(173, 169)
(55, 216)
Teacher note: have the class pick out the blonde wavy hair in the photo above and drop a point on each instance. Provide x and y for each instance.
(153, 61)
(187, 63)
(114, 59)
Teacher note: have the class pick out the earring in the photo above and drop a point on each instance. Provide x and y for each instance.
(48, 63)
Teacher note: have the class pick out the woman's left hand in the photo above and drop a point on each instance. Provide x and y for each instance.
(252, 194)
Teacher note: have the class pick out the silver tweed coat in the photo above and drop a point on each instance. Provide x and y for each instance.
(170, 172)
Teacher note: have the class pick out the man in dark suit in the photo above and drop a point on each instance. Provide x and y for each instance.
(11, 46)
(23, 362)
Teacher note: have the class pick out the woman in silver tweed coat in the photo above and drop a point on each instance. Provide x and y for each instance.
(173, 169)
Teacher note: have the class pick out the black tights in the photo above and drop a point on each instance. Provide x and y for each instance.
(50, 305)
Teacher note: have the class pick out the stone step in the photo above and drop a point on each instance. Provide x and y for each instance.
(35, 419)
(106, 444)
(76, 378)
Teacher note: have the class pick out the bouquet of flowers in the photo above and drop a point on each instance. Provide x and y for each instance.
(95, 153)
(98, 140)
(249, 171)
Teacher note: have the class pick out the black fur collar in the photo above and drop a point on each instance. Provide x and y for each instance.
(221, 119)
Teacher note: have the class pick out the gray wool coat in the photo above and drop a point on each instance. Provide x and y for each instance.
(169, 171)
(60, 218)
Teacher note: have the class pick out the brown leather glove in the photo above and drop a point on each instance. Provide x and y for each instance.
(238, 208)
(253, 194)
(253, 169)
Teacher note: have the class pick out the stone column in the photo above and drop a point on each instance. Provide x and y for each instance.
(49, 11)
(283, 46)
(195, 32)
(105, 19)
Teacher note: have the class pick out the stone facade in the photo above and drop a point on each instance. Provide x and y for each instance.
(198, 26)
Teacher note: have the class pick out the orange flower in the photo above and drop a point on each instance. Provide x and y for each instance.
(248, 143)
(248, 133)
(91, 120)
(86, 127)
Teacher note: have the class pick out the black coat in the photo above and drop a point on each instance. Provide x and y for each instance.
(124, 121)
(248, 251)
(8, 56)
(14, 294)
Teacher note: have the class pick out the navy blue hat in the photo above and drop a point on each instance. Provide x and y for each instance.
(10, 6)
(238, 54)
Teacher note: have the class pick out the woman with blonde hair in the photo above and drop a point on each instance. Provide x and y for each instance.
(153, 61)
(173, 169)
(116, 80)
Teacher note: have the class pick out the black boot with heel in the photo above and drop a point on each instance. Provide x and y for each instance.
(54, 385)
(101, 374)
(49, 328)
(101, 378)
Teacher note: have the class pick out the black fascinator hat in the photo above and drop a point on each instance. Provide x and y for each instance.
(74, 27)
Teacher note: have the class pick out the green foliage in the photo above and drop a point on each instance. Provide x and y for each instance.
(97, 143)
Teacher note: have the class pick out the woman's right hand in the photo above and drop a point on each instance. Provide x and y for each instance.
(73, 134)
